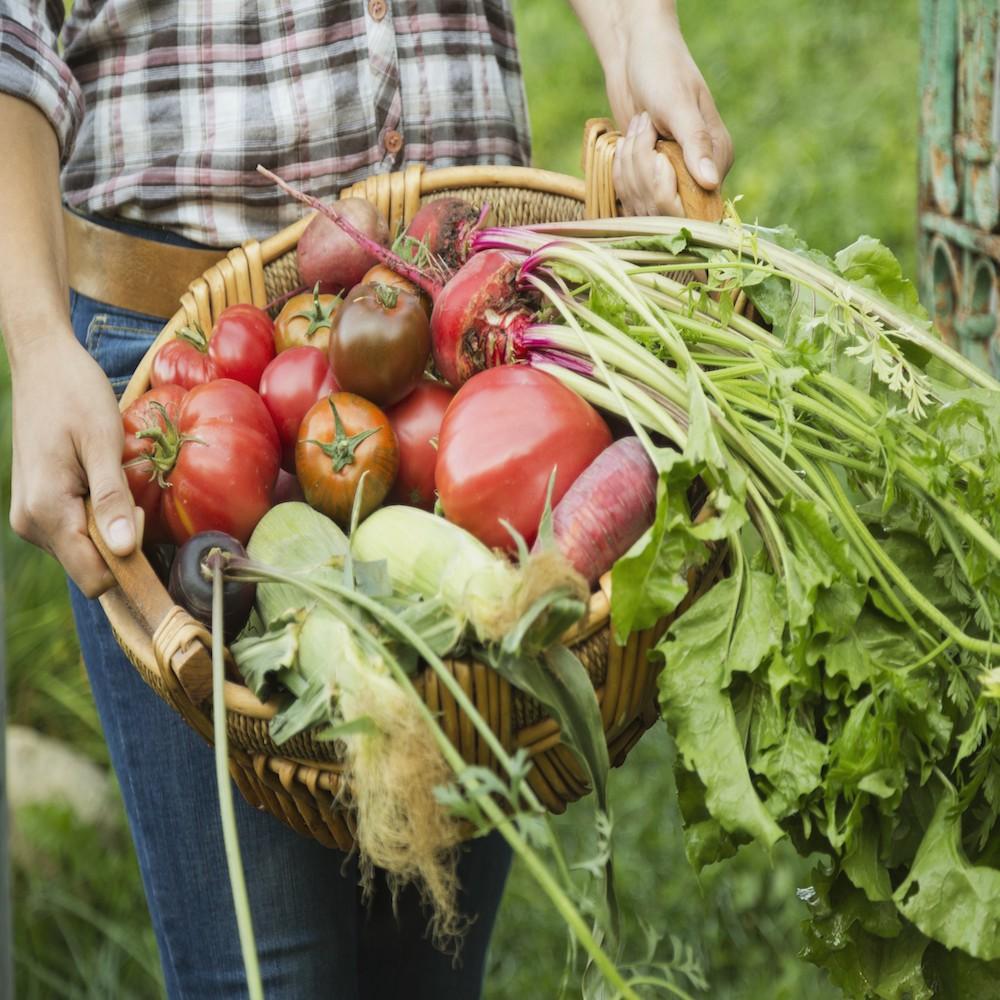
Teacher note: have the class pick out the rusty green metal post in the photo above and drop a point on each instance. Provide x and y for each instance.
(6, 928)
(960, 173)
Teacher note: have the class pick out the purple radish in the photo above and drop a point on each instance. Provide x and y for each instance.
(607, 509)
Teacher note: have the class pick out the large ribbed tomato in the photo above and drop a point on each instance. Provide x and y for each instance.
(503, 434)
(227, 465)
(214, 463)
(145, 423)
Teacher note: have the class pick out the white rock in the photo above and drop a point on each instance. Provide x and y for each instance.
(41, 769)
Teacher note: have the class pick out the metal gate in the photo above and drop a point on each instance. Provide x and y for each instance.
(960, 173)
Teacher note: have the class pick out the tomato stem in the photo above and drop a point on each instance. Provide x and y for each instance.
(385, 295)
(167, 444)
(195, 336)
(318, 316)
(341, 449)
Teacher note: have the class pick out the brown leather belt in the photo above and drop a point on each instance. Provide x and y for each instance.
(129, 272)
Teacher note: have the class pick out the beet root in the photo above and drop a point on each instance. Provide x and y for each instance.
(446, 228)
(479, 317)
(328, 255)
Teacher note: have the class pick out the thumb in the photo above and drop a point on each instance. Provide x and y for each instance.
(691, 131)
(114, 510)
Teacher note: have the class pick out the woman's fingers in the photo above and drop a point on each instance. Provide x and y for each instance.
(644, 179)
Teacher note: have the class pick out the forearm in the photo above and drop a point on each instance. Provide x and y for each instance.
(33, 279)
(67, 432)
(654, 89)
(609, 24)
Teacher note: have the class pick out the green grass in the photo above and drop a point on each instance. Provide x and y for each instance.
(822, 104)
(82, 931)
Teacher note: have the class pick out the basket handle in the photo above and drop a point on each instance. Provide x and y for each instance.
(180, 645)
(600, 201)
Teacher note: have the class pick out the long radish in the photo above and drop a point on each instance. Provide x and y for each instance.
(606, 510)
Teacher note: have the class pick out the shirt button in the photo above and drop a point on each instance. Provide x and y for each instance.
(377, 9)
(393, 141)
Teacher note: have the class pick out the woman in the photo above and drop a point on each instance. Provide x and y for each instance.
(149, 122)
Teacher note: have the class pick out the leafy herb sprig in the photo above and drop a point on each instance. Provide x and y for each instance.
(838, 686)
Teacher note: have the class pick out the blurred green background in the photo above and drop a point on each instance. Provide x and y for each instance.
(822, 103)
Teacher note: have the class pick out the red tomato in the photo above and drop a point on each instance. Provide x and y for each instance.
(505, 431)
(225, 470)
(217, 460)
(142, 457)
(341, 438)
(416, 421)
(241, 345)
(183, 361)
(291, 383)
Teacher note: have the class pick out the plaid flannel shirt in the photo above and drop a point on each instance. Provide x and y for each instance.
(164, 108)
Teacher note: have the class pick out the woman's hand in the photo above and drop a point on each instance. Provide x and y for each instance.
(67, 436)
(655, 89)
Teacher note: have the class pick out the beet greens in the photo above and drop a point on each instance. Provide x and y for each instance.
(838, 686)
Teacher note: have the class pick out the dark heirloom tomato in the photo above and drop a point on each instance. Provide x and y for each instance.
(149, 417)
(379, 343)
(304, 321)
(380, 274)
(216, 459)
(291, 383)
(341, 438)
(241, 345)
(506, 430)
(416, 421)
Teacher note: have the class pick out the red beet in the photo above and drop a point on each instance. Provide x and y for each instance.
(328, 255)
(446, 228)
(479, 316)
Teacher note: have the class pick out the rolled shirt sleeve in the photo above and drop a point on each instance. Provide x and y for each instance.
(32, 69)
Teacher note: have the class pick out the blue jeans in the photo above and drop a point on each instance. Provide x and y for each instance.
(315, 937)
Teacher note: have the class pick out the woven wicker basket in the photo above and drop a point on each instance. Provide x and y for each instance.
(299, 781)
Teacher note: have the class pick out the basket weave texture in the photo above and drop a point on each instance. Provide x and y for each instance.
(300, 781)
